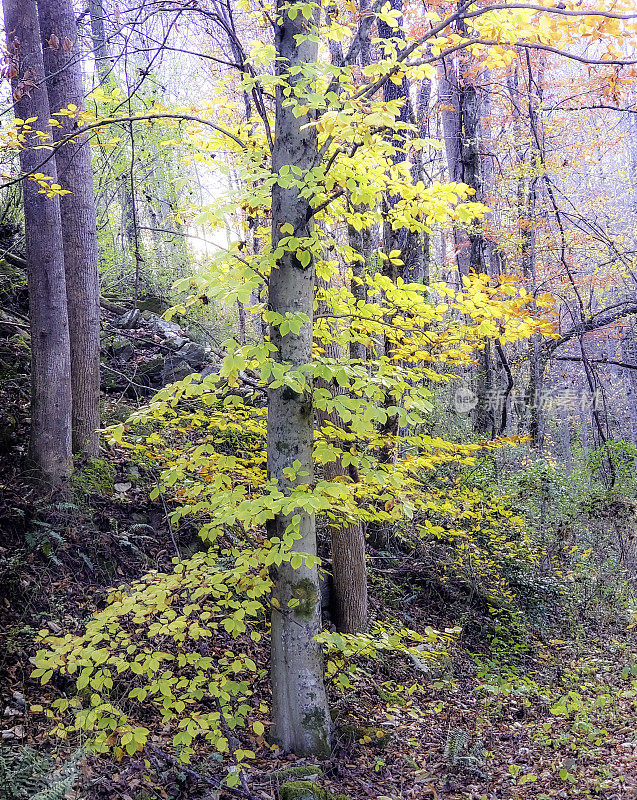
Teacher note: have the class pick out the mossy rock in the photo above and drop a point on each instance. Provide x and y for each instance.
(153, 304)
(8, 430)
(307, 790)
(308, 772)
(118, 412)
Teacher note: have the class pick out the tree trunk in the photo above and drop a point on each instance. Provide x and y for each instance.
(302, 721)
(50, 349)
(461, 119)
(528, 157)
(564, 435)
(347, 539)
(629, 355)
(58, 30)
(410, 243)
(104, 68)
(103, 63)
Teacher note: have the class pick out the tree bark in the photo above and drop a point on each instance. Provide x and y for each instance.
(50, 348)
(302, 721)
(103, 63)
(629, 355)
(62, 62)
(347, 539)
(564, 435)
(461, 120)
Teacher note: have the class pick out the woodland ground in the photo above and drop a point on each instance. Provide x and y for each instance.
(535, 718)
(549, 711)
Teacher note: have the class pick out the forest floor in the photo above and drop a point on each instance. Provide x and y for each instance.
(550, 714)
(546, 718)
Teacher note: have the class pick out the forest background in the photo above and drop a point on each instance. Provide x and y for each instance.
(318, 337)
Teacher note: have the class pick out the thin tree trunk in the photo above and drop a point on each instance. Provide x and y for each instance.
(58, 29)
(302, 721)
(629, 355)
(347, 540)
(349, 568)
(103, 63)
(104, 67)
(50, 348)
(528, 156)
(461, 117)
(564, 434)
(409, 243)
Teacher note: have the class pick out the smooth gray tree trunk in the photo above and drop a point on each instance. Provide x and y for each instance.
(62, 62)
(50, 349)
(302, 721)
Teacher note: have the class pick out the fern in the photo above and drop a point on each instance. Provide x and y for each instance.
(61, 781)
(456, 746)
(139, 528)
(26, 774)
(23, 772)
(63, 507)
(459, 756)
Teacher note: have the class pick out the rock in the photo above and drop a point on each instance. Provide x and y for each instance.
(193, 353)
(128, 320)
(210, 369)
(53, 626)
(309, 772)
(132, 473)
(122, 348)
(307, 790)
(175, 369)
(152, 304)
(14, 733)
(163, 326)
(301, 790)
(151, 369)
(175, 342)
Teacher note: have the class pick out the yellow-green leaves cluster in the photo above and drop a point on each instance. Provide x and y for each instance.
(162, 652)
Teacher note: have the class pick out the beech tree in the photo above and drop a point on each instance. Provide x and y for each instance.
(62, 62)
(50, 345)
(337, 154)
(300, 710)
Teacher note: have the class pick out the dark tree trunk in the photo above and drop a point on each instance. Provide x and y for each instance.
(461, 117)
(629, 356)
(410, 243)
(103, 63)
(50, 348)
(347, 539)
(62, 62)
